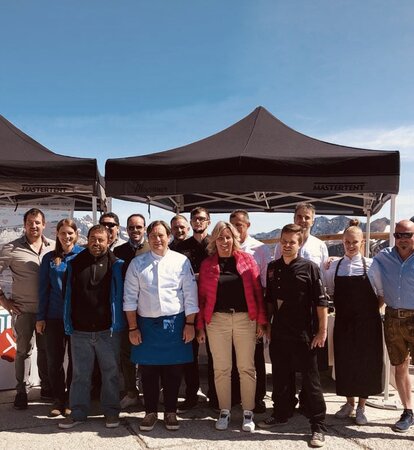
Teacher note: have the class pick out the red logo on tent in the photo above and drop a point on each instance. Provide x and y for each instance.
(7, 345)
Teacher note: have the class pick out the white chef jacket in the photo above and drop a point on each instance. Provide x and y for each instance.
(260, 253)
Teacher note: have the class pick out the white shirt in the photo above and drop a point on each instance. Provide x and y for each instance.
(260, 253)
(313, 250)
(349, 267)
(160, 285)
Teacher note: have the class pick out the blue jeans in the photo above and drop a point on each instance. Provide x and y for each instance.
(85, 345)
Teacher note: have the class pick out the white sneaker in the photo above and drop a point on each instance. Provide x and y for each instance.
(360, 417)
(129, 401)
(223, 420)
(248, 423)
(346, 410)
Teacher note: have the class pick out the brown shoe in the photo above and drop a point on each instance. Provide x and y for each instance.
(148, 422)
(171, 422)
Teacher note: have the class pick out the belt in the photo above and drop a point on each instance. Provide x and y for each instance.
(399, 313)
(228, 311)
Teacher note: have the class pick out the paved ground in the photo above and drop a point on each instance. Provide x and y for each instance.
(33, 429)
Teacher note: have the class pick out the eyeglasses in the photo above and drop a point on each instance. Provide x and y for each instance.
(133, 228)
(199, 219)
(109, 224)
(403, 235)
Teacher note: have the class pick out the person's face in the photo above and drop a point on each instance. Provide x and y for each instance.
(34, 226)
(200, 222)
(403, 242)
(290, 243)
(224, 243)
(158, 240)
(242, 225)
(304, 217)
(113, 228)
(67, 237)
(98, 243)
(180, 229)
(136, 229)
(353, 242)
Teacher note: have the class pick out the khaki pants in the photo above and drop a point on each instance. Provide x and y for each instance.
(226, 330)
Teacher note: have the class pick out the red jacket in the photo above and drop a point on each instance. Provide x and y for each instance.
(208, 281)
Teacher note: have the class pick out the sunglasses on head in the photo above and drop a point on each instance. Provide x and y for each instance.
(403, 235)
(109, 224)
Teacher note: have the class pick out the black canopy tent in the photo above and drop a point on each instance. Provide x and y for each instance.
(258, 164)
(29, 172)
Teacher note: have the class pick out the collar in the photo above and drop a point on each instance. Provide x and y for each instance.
(355, 258)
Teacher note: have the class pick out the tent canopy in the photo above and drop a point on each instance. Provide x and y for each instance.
(258, 164)
(30, 172)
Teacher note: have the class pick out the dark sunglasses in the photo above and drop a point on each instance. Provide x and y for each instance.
(403, 235)
(109, 224)
(136, 227)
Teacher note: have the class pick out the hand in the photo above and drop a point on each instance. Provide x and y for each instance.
(201, 336)
(9, 304)
(329, 261)
(319, 339)
(188, 333)
(260, 331)
(135, 337)
(40, 326)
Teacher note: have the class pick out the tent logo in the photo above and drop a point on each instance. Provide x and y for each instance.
(45, 189)
(140, 187)
(339, 187)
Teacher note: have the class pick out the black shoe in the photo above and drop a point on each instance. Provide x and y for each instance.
(271, 422)
(186, 405)
(405, 422)
(317, 439)
(260, 407)
(214, 405)
(20, 401)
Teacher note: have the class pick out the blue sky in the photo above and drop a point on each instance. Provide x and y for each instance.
(110, 78)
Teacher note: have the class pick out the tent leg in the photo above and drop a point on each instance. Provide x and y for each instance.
(94, 210)
(367, 235)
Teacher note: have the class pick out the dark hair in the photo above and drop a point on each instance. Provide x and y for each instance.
(198, 210)
(58, 252)
(136, 215)
(178, 217)
(305, 205)
(293, 228)
(152, 225)
(101, 228)
(33, 212)
(110, 215)
(242, 212)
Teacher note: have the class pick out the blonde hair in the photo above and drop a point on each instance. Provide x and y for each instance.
(220, 226)
(353, 227)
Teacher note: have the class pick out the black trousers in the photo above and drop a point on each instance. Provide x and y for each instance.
(56, 342)
(288, 357)
(260, 365)
(170, 378)
(192, 376)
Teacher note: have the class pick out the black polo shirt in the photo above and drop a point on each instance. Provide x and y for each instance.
(300, 288)
(195, 251)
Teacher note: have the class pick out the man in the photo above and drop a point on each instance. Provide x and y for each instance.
(195, 250)
(136, 245)
(111, 221)
(93, 318)
(180, 228)
(392, 273)
(297, 301)
(261, 253)
(23, 257)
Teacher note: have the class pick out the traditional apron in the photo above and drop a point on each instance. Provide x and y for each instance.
(357, 336)
(162, 341)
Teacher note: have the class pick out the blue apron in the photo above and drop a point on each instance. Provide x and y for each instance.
(162, 341)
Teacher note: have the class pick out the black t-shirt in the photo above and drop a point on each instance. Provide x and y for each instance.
(195, 251)
(230, 289)
(299, 289)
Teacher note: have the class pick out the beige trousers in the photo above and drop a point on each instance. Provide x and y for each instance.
(226, 330)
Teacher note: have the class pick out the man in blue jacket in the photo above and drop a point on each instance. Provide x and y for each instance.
(93, 318)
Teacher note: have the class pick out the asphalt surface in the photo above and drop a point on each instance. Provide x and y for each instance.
(32, 428)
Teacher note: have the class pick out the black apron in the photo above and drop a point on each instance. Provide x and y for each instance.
(357, 337)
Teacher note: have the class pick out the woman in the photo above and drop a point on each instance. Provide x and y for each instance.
(160, 301)
(358, 330)
(233, 312)
(50, 314)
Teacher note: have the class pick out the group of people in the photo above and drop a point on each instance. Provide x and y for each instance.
(152, 300)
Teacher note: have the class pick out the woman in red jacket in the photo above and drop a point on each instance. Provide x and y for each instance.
(232, 311)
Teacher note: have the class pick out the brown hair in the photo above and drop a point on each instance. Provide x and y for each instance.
(293, 228)
(152, 225)
(58, 252)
